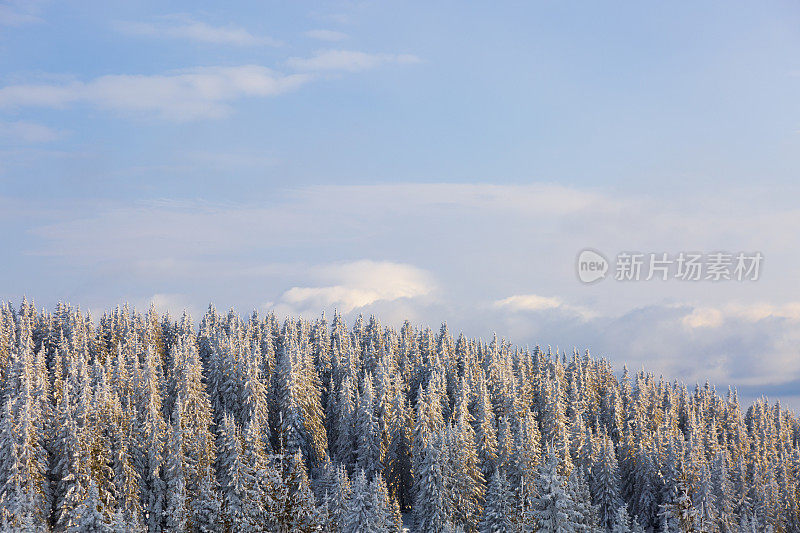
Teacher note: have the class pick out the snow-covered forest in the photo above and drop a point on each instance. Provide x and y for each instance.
(147, 422)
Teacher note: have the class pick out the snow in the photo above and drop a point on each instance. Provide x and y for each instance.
(408, 522)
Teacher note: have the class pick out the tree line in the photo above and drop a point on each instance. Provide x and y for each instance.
(141, 422)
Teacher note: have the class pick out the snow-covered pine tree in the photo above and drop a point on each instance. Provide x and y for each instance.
(586, 513)
(621, 522)
(360, 514)
(229, 468)
(467, 490)
(151, 429)
(300, 513)
(498, 513)
(206, 510)
(369, 449)
(336, 500)
(604, 483)
(431, 498)
(70, 464)
(89, 515)
(485, 432)
(385, 506)
(175, 515)
(186, 381)
(552, 509)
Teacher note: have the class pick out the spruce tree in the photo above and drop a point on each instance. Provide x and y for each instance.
(552, 509)
(498, 513)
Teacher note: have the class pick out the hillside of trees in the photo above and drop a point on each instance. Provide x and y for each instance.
(135, 422)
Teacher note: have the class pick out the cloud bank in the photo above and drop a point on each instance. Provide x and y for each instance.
(441, 251)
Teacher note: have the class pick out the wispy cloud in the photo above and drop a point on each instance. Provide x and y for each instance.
(326, 35)
(204, 92)
(187, 94)
(27, 132)
(347, 61)
(19, 12)
(182, 27)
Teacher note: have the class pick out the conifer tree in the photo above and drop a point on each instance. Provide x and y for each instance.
(552, 509)
(498, 513)
(467, 486)
(368, 434)
(431, 506)
(174, 475)
(605, 483)
(88, 516)
(206, 508)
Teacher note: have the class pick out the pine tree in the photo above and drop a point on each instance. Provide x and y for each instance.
(300, 513)
(360, 515)
(230, 467)
(431, 509)
(431, 505)
(586, 516)
(186, 382)
(369, 450)
(255, 477)
(336, 501)
(175, 480)
(498, 513)
(206, 508)
(467, 488)
(552, 509)
(151, 430)
(621, 522)
(386, 508)
(70, 465)
(24, 491)
(605, 484)
(88, 516)
(485, 433)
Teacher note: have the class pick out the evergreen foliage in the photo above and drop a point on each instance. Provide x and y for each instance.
(141, 423)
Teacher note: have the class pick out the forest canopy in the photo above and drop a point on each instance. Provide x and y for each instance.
(146, 422)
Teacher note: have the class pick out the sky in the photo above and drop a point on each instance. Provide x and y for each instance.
(429, 161)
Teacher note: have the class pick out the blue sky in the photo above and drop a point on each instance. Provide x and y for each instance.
(417, 160)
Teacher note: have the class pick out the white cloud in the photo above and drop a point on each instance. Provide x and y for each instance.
(174, 303)
(27, 132)
(531, 200)
(187, 94)
(529, 302)
(326, 35)
(341, 214)
(712, 317)
(347, 60)
(534, 302)
(761, 311)
(204, 92)
(514, 245)
(703, 317)
(361, 283)
(180, 27)
(19, 12)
